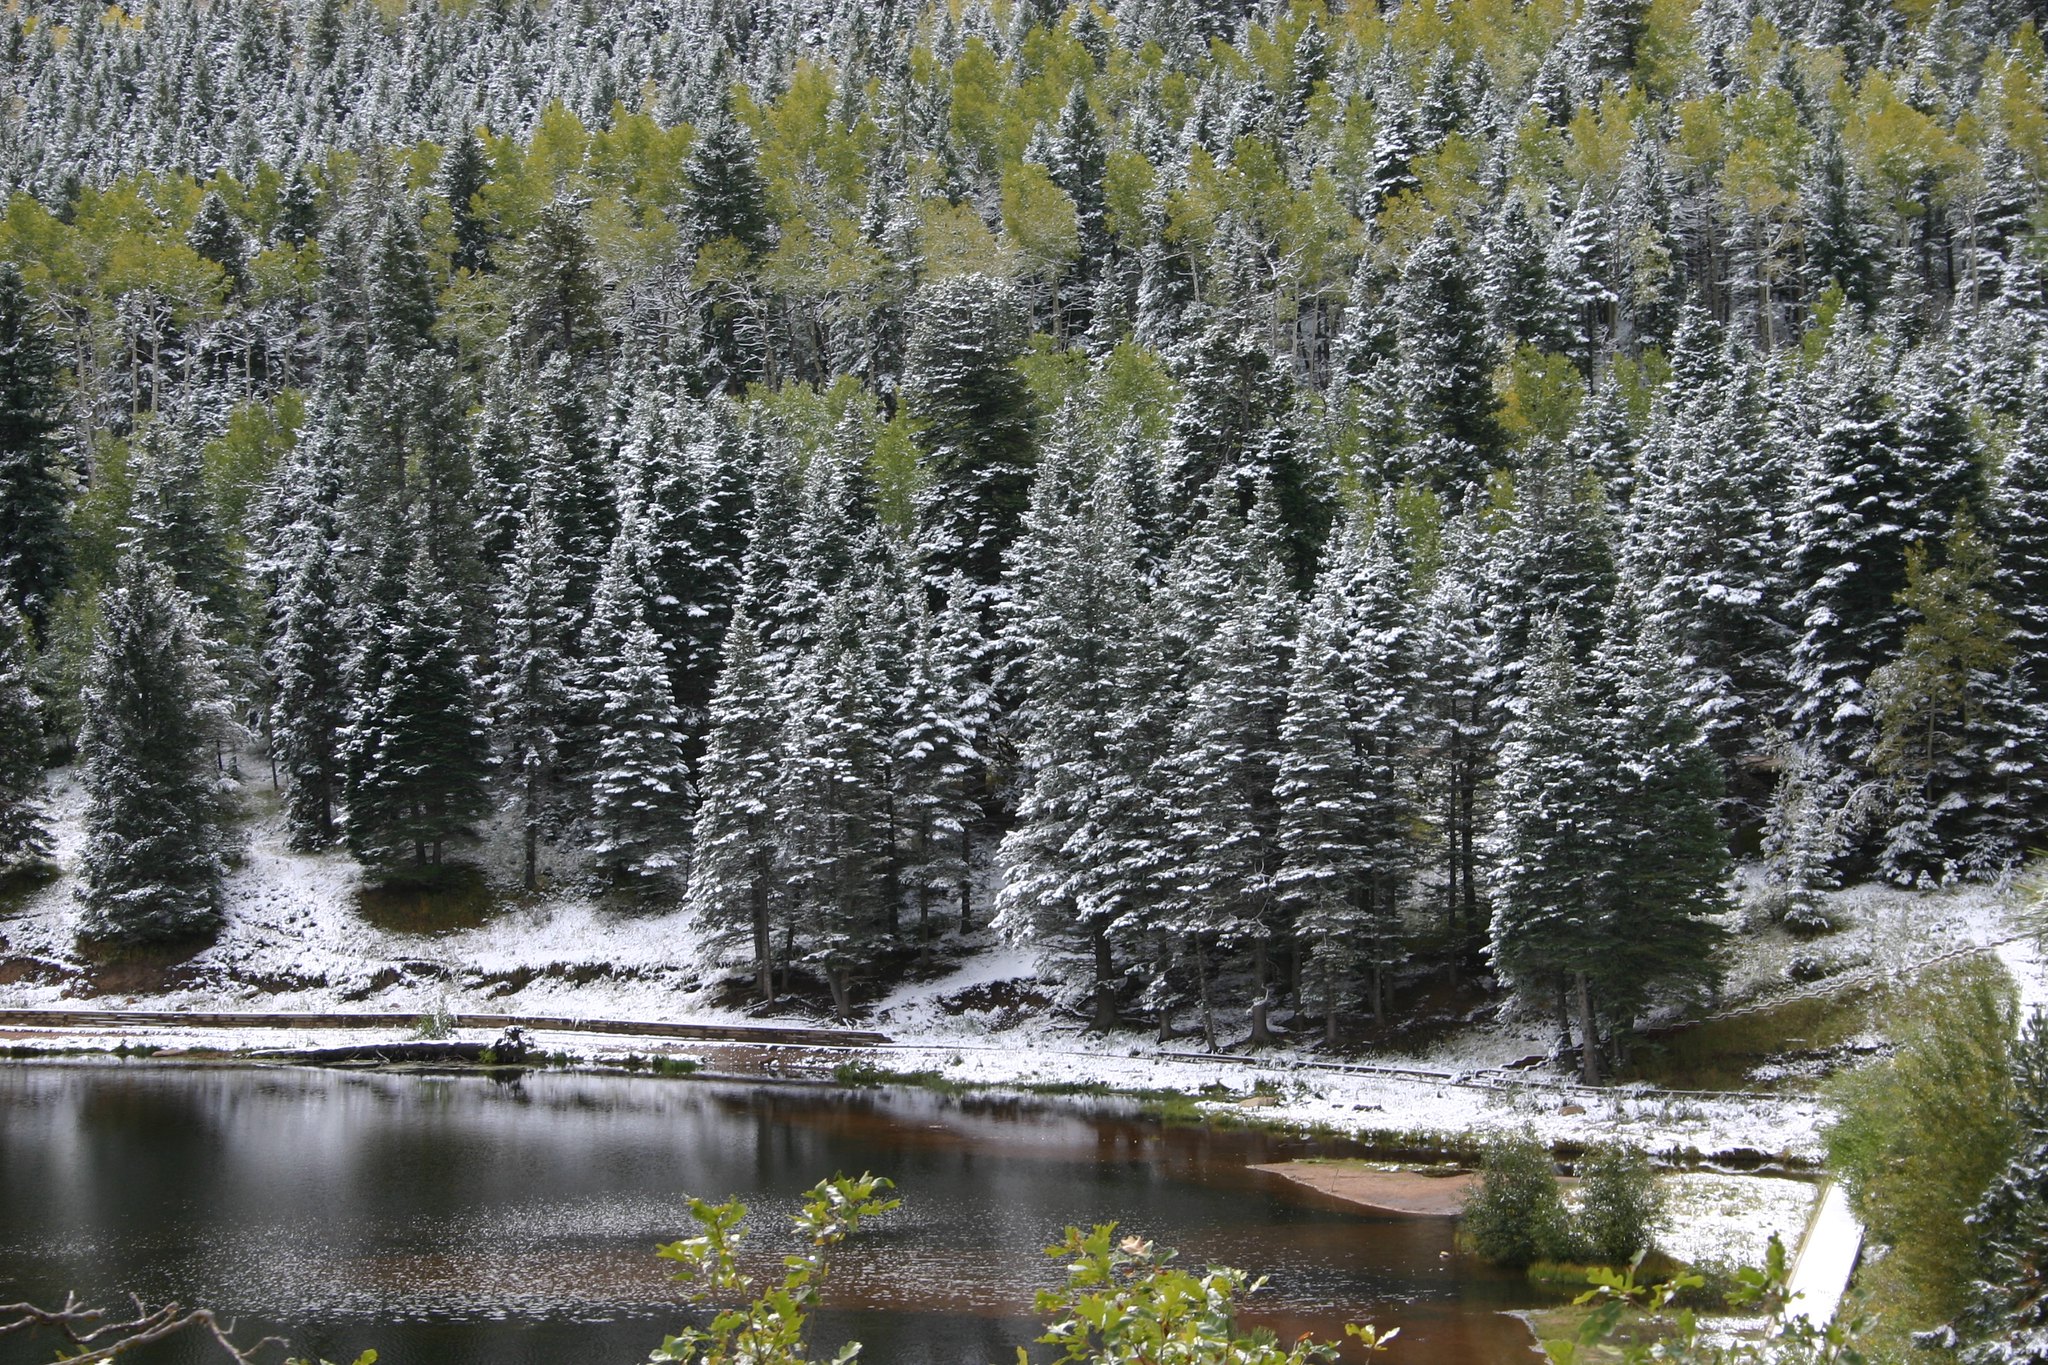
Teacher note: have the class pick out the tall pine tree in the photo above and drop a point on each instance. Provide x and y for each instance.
(154, 814)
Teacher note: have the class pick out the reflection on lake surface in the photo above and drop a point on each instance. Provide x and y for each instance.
(459, 1220)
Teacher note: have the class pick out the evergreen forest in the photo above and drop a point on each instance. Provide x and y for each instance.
(1261, 501)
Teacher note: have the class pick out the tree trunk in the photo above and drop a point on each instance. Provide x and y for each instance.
(842, 993)
(1329, 1001)
(966, 880)
(1208, 1004)
(1105, 979)
(1589, 1040)
(764, 950)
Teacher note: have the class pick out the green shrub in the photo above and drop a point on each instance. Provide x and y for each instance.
(1620, 1205)
(1517, 1214)
(1921, 1136)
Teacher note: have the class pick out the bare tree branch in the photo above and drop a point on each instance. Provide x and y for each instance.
(103, 1340)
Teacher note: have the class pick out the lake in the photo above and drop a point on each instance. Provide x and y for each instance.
(465, 1220)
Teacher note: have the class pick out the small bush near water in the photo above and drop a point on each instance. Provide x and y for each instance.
(1620, 1206)
(1518, 1215)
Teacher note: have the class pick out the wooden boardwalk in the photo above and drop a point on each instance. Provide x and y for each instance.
(766, 1035)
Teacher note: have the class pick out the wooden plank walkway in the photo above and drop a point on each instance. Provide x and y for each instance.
(767, 1035)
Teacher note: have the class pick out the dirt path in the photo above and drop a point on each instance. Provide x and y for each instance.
(1418, 1194)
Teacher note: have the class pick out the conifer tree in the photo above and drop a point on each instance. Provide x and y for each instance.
(727, 198)
(1321, 789)
(1458, 718)
(154, 816)
(417, 755)
(974, 418)
(641, 795)
(217, 237)
(1670, 864)
(1550, 845)
(1934, 706)
(935, 758)
(557, 301)
(308, 662)
(462, 177)
(1704, 555)
(1219, 779)
(1848, 559)
(531, 698)
(1077, 873)
(1387, 686)
(2006, 1321)
(176, 525)
(733, 876)
(831, 803)
(400, 286)
(1446, 366)
(34, 552)
(24, 821)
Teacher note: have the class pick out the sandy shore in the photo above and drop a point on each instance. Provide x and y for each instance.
(1418, 1194)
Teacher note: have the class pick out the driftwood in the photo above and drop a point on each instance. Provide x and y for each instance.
(95, 1335)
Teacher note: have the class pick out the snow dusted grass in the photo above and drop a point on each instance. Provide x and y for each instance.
(1714, 1219)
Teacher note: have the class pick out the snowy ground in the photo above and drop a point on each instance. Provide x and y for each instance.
(296, 941)
(1729, 1220)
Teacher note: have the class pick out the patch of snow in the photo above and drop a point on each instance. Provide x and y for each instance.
(1729, 1220)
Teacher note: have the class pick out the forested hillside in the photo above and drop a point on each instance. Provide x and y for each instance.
(1246, 498)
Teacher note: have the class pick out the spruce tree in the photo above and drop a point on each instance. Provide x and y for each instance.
(418, 754)
(463, 174)
(176, 524)
(1372, 583)
(34, 498)
(2006, 1322)
(1935, 713)
(1705, 558)
(154, 818)
(24, 821)
(936, 763)
(727, 198)
(831, 804)
(1077, 872)
(531, 699)
(1848, 559)
(1457, 719)
(1551, 844)
(1446, 366)
(1670, 866)
(1219, 781)
(557, 301)
(733, 877)
(974, 418)
(640, 795)
(308, 666)
(1321, 790)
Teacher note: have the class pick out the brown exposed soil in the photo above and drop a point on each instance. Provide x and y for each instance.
(18, 970)
(150, 969)
(1008, 1003)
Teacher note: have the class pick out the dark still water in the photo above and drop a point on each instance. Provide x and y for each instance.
(465, 1221)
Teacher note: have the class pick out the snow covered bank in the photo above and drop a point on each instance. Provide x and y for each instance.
(297, 940)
